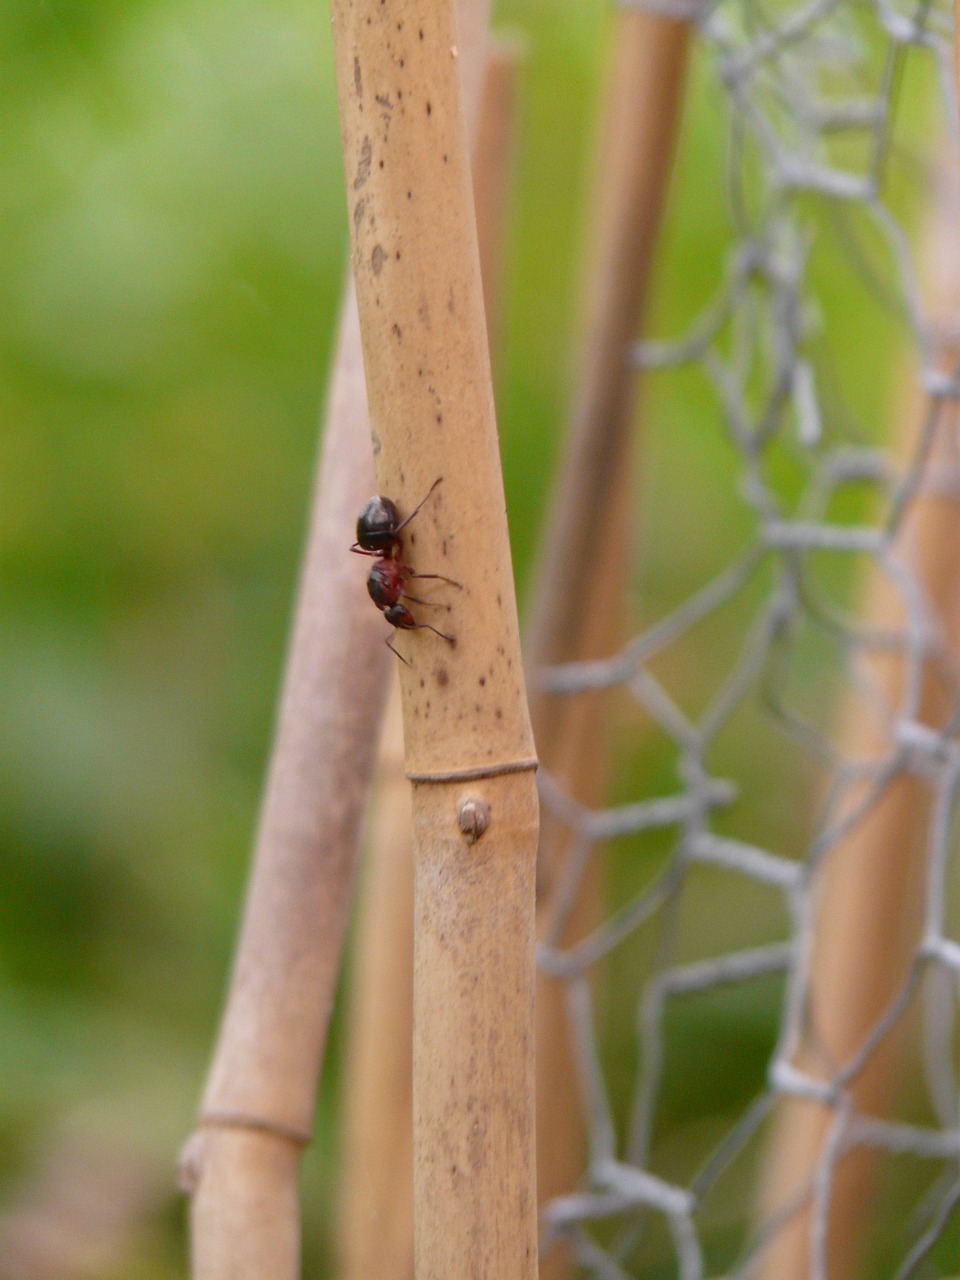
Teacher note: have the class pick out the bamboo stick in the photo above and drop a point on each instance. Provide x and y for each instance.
(870, 898)
(375, 1222)
(469, 748)
(257, 1111)
(376, 1195)
(590, 525)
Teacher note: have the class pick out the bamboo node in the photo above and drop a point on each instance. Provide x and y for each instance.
(479, 771)
(473, 818)
(190, 1164)
(262, 1124)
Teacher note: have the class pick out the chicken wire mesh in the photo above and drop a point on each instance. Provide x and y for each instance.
(765, 1020)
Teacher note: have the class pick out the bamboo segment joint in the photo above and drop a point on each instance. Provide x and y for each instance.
(473, 818)
(481, 771)
(262, 1124)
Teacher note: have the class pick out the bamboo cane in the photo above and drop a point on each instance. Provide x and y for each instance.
(469, 749)
(870, 900)
(376, 1195)
(590, 524)
(257, 1110)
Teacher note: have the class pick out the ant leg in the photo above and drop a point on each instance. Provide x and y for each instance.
(404, 523)
(432, 604)
(425, 626)
(362, 551)
(439, 577)
(389, 643)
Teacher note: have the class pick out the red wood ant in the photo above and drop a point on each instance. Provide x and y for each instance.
(378, 534)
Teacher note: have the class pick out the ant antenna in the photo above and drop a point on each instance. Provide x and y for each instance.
(407, 520)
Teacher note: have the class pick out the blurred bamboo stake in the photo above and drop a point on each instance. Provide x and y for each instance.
(870, 898)
(469, 750)
(257, 1110)
(376, 1198)
(589, 528)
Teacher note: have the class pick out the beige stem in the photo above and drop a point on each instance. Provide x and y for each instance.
(590, 526)
(466, 724)
(376, 1218)
(258, 1104)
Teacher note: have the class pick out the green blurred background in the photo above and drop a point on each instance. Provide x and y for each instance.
(172, 244)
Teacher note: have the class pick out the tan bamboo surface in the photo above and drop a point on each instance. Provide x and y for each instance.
(870, 900)
(257, 1111)
(375, 1222)
(584, 559)
(468, 744)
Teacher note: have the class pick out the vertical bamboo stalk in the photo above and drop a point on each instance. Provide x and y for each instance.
(257, 1111)
(376, 1217)
(870, 899)
(590, 522)
(375, 1223)
(469, 749)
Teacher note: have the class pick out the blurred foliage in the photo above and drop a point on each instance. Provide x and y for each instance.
(172, 237)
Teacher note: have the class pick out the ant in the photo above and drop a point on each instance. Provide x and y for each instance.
(378, 534)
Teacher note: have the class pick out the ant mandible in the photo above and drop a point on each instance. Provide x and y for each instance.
(378, 534)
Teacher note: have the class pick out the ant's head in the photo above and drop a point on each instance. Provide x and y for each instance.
(377, 525)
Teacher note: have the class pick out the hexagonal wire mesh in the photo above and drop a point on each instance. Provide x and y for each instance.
(764, 1021)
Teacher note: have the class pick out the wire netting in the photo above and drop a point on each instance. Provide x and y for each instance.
(764, 1019)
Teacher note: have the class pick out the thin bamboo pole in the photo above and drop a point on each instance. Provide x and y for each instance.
(590, 526)
(375, 1222)
(257, 1110)
(376, 1195)
(870, 899)
(469, 748)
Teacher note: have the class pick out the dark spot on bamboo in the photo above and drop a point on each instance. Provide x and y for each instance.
(422, 682)
(357, 78)
(398, 255)
(443, 677)
(378, 258)
(397, 331)
(381, 164)
(498, 713)
(364, 163)
(421, 33)
(445, 158)
(482, 681)
(358, 211)
(409, 195)
(429, 109)
(439, 418)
